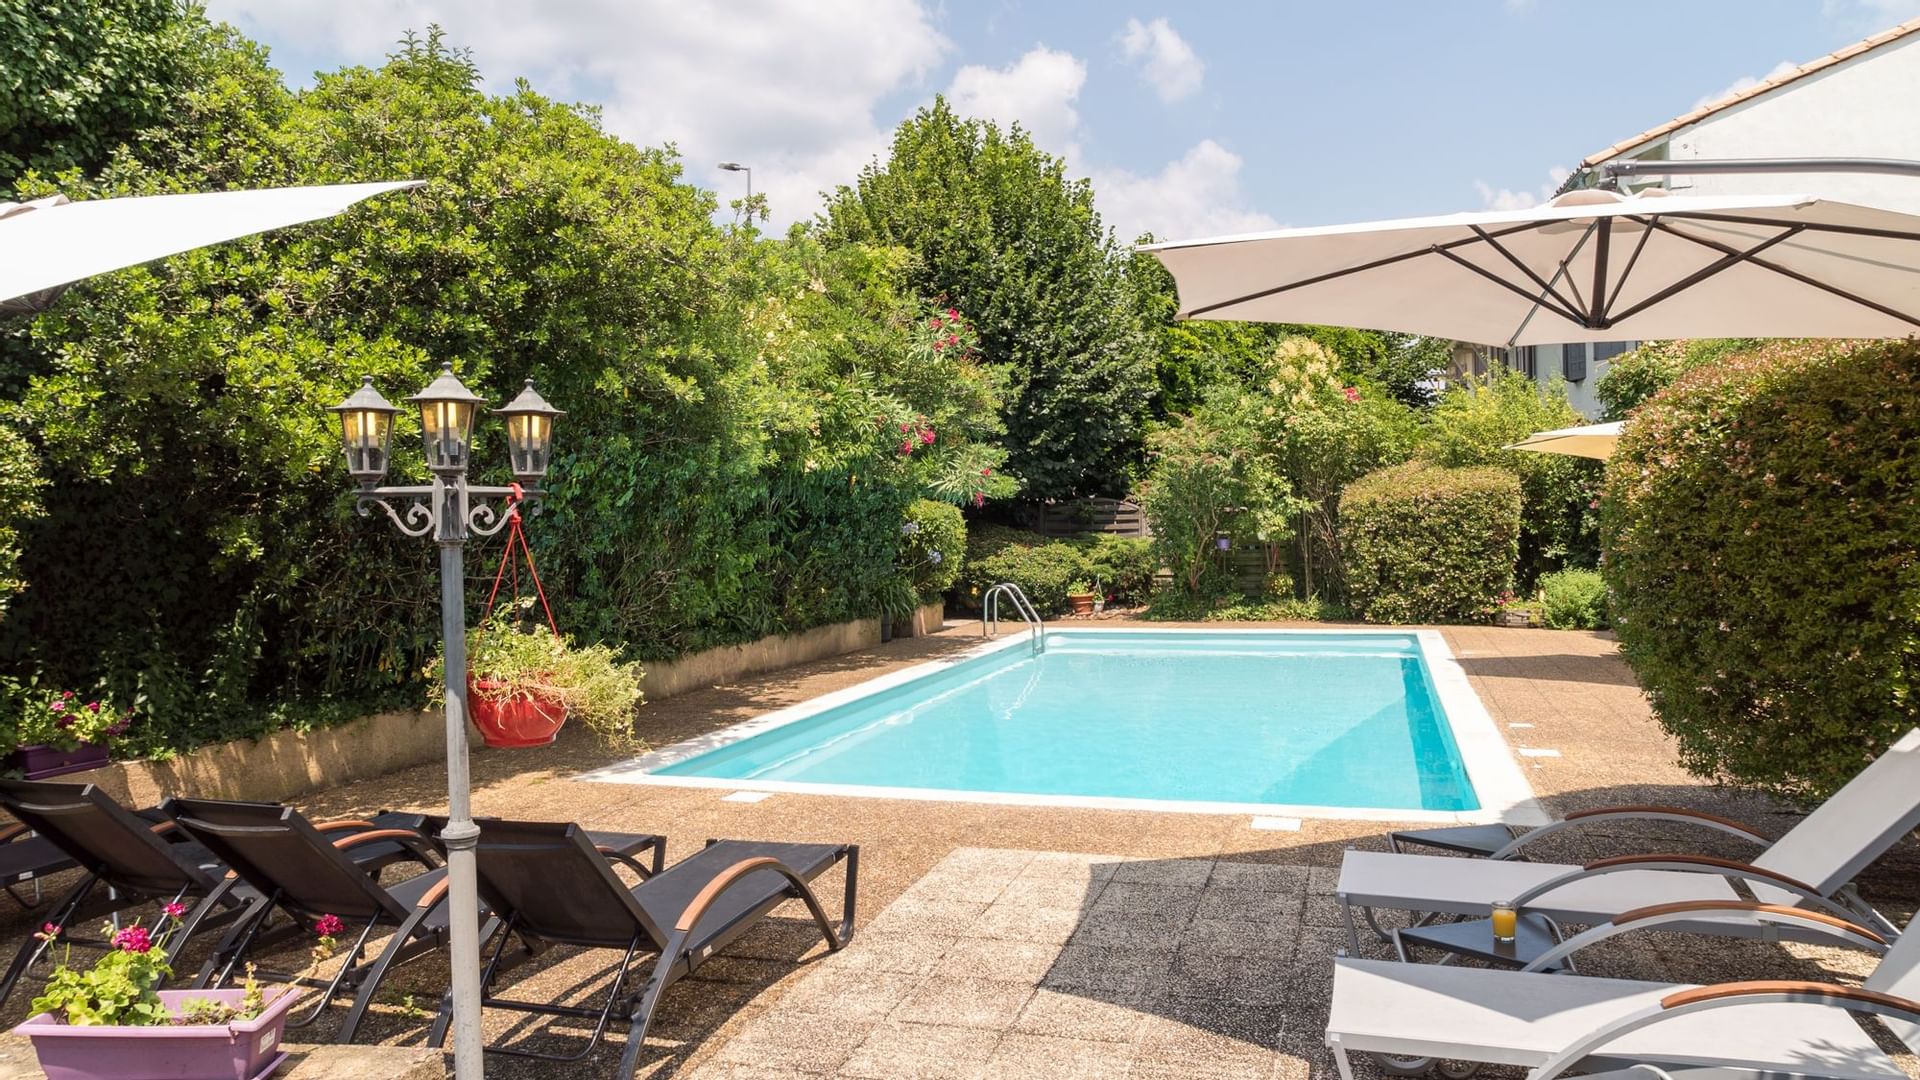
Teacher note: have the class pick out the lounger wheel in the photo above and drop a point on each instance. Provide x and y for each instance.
(1424, 1066)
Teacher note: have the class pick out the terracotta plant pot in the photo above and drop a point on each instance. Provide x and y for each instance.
(39, 761)
(1513, 618)
(1082, 603)
(508, 716)
(240, 1050)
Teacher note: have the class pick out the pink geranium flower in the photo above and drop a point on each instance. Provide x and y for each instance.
(133, 939)
(328, 925)
(175, 910)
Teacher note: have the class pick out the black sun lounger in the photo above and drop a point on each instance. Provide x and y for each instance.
(549, 885)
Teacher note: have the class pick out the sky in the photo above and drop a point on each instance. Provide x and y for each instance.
(1191, 119)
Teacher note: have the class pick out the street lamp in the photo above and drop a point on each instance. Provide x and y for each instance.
(447, 509)
(734, 166)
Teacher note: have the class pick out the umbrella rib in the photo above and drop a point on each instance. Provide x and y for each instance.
(1546, 288)
(1810, 226)
(1599, 305)
(1633, 259)
(1733, 256)
(1537, 301)
(1362, 268)
(1795, 275)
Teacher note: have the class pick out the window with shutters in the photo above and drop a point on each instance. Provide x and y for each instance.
(1573, 361)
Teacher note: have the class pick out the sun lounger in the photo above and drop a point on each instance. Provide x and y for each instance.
(550, 886)
(1811, 866)
(1547, 1022)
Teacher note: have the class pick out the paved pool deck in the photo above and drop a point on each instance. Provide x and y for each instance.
(1009, 941)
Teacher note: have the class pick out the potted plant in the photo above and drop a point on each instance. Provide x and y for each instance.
(60, 733)
(1511, 611)
(112, 1020)
(1081, 595)
(523, 685)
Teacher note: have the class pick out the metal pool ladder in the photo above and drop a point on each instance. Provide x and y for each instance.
(990, 613)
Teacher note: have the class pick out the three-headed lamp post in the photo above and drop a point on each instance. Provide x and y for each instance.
(451, 510)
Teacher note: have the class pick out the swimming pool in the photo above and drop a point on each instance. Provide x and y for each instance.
(1264, 721)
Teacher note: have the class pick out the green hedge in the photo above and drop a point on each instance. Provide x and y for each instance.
(1424, 543)
(1047, 569)
(1761, 524)
(1574, 600)
(933, 547)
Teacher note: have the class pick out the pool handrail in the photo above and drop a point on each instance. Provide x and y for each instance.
(990, 613)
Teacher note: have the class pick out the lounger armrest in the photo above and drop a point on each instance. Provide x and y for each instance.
(1727, 995)
(1657, 915)
(163, 828)
(1648, 812)
(1709, 864)
(414, 844)
(433, 894)
(13, 832)
(726, 879)
(344, 823)
(681, 943)
(629, 861)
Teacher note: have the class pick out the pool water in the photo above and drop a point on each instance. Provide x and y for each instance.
(1258, 717)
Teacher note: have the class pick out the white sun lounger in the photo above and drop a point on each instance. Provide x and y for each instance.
(1552, 1022)
(1811, 866)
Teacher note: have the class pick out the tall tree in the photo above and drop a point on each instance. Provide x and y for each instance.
(1001, 232)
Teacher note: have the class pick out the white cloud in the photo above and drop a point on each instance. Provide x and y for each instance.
(1170, 65)
(1747, 82)
(1493, 198)
(1037, 91)
(789, 89)
(1197, 194)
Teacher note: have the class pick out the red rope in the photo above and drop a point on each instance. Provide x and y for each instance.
(515, 535)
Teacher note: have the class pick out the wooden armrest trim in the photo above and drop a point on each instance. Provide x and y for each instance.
(432, 896)
(162, 828)
(1708, 861)
(1651, 808)
(346, 842)
(345, 823)
(1786, 986)
(1711, 906)
(699, 904)
(13, 832)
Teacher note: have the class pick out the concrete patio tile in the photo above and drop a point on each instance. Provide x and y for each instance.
(1182, 1022)
(1276, 937)
(1016, 922)
(1042, 1057)
(1321, 909)
(1263, 877)
(974, 888)
(1052, 893)
(999, 959)
(1247, 905)
(972, 1003)
(778, 1039)
(903, 1051)
(906, 953)
(1123, 974)
(727, 1070)
(916, 916)
(1075, 1016)
(841, 995)
(1139, 898)
(1165, 871)
(1119, 927)
(1247, 979)
(1071, 866)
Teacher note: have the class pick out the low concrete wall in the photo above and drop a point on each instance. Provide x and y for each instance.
(286, 764)
(927, 619)
(665, 678)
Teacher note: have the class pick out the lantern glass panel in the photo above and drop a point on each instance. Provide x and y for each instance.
(447, 428)
(530, 444)
(365, 433)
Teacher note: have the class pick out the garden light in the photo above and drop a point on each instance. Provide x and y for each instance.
(366, 425)
(529, 434)
(447, 409)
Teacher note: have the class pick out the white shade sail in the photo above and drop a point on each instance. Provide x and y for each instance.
(1590, 441)
(1590, 266)
(50, 243)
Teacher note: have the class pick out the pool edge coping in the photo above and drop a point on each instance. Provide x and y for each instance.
(1492, 768)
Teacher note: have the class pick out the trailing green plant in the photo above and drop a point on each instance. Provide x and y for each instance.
(1762, 535)
(64, 720)
(1425, 543)
(1574, 599)
(530, 661)
(934, 548)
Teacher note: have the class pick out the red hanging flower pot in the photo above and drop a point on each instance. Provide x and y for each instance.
(512, 714)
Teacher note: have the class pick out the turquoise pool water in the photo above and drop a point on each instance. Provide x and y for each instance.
(1338, 720)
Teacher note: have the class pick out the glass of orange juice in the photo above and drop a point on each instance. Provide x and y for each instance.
(1506, 922)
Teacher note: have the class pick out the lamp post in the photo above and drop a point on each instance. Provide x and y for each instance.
(451, 510)
(734, 166)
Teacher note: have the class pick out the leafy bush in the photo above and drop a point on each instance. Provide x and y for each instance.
(1424, 543)
(933, 548)
(1122, 565)
(1574, 599)
(1044, 569)
(1207, 473)
(1760, 524)
(1633, 377)
(1474, 422)
(1179, 607)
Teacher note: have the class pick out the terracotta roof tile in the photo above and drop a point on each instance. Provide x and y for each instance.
(1765, 86)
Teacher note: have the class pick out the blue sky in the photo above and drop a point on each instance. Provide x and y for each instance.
(1191, 119)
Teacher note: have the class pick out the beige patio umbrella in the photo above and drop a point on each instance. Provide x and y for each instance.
(1591, 265)
(48, 244)
(1588, 440)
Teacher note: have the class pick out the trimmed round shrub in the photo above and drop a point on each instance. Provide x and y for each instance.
(1425, 543)
(1760, 523)
(1123, 565)
(1044, 569)
(1574, 599)
(933, 547)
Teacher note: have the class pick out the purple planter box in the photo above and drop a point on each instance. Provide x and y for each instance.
(243, 1050)
(40, 761)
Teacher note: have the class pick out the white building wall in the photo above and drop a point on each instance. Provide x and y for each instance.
(1868, 106)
